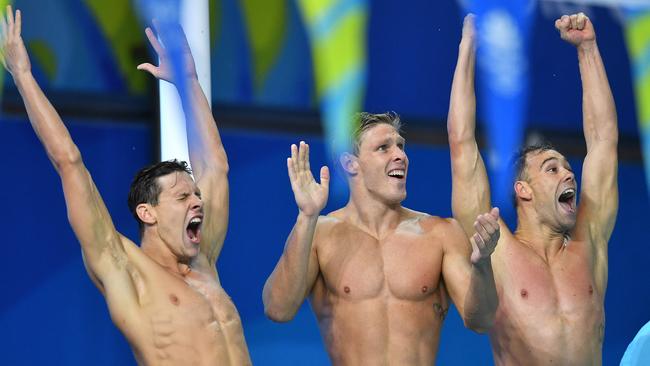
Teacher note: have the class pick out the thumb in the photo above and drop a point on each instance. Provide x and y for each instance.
(148, 68)
(495, 212)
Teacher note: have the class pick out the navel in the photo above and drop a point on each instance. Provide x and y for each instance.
(524, 293)
(174, 299)
(346, 289)
(591, 289)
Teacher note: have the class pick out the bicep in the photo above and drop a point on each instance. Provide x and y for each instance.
(456, 268)
(599, 195)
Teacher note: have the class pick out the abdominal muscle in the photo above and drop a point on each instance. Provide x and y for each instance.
(381, 330)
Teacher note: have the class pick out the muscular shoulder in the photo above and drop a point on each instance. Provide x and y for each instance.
(434, 225)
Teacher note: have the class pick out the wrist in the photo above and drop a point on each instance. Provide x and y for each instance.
(308, 216)
(21, 76)
(587, 47)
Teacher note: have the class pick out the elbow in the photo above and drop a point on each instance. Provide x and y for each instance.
(277, 308)
(65, 157)
(278, 313)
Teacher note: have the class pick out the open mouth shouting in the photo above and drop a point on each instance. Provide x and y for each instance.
(194, 229)
(567, 200)
(397, 173)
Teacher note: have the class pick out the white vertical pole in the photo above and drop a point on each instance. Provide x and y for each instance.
(195, 20)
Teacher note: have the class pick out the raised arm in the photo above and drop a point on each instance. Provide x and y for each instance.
(468, 276)
(207, 154)
(470, 187)
(102, 246)
(599, 196)
(296, 271)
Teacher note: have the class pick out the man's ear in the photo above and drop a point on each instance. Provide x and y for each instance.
(523, 190)
(146, 213)
(350, 163)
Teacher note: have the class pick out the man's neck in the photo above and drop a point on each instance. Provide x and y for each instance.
(155, 248)
(373, 216)
(540, 237)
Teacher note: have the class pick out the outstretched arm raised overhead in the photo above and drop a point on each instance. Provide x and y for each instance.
(102, 246)
(470, 187)
(207, 154)
(599, 197)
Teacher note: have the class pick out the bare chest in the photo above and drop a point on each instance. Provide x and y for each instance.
(357, 266)
(562, 290)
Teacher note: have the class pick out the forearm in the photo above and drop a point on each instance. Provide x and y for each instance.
(461, 121)
(290, 281)
(481, 301)
(46, 122)
(203, 139)
(599, 111)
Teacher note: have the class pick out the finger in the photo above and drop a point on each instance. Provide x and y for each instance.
(294, 156)
(291, 170)
(473, 243)
(480, 230)
(580, 21)
(469, 20)
(10, 17)
(3, 24)
(565, 22)
(557, 24)
(325, 177)
(574, 21)
(183, 38)
(490, 222)
(479, 242)
(18, 25)
(307, 163)
(495, 213)
(301, 157)
(153, 40)
(484, 221)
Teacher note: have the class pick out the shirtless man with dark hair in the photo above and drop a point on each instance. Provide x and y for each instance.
(379, 275)
(164, 295)
(551, 273)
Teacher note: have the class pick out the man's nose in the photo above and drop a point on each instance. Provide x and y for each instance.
(570, 176)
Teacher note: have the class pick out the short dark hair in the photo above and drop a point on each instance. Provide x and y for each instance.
(366, 121)
(145, 187)
(520, 165)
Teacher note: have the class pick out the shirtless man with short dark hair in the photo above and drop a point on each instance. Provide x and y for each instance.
(379, 275)
(551, 273)
(165, 295)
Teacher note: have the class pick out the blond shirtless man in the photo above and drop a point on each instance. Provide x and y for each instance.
(379, 275)
(551, 273)
(164, 295)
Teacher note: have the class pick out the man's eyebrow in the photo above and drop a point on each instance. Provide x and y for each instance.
(547, 160)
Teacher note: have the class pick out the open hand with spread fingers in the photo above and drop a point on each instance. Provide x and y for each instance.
(311, 197)
(164, 70)
(486, 237)
(13, 52)
(576, 29)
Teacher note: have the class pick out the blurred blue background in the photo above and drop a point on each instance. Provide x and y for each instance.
(84, 54)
